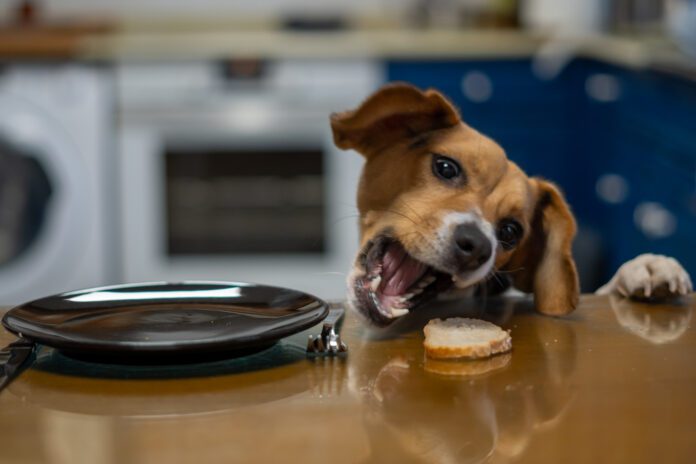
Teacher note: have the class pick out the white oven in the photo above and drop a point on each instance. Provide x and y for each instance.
(228, 171)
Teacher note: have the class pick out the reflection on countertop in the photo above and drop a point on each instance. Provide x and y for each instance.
(656, 324)
(474, 410)
(582, 388)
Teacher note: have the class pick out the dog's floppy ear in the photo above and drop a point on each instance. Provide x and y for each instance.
(394, 112)
(544, 263)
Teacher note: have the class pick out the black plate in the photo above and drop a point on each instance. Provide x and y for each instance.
(159, 319)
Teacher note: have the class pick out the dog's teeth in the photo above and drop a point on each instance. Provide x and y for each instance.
(398, 312)
(407, 296)
(374, 283)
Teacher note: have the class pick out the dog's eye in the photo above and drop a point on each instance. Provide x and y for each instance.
(446, 168)
(509, 233)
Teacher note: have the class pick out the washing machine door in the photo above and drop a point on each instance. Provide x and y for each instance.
(43, 201)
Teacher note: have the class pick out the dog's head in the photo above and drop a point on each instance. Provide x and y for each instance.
(440, 204)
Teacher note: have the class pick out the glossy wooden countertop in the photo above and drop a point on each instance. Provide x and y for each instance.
(614, 382)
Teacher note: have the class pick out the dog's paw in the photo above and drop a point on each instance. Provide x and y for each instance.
(649, 277)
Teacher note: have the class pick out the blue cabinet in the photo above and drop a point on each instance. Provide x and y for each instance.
(593, 121)
(654, 147)
(511, 105)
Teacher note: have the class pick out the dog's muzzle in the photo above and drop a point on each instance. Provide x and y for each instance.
(387, 281)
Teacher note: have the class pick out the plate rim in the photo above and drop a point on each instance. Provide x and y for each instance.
(154, 348)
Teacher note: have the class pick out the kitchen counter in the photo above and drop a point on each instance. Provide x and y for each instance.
(57, 42)
(613, 382)
(161, 42)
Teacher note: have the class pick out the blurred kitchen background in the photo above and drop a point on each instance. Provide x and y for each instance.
(146, 140)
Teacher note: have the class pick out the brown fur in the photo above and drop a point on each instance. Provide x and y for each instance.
(397, 130)
(544, 259)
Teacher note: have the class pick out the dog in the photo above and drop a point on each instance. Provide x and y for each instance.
(442, 207)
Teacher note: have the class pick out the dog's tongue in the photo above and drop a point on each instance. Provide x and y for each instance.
(399, 270)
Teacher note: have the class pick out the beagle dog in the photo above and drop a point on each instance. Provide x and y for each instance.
(441, 206)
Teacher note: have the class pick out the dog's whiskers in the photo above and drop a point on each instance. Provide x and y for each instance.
(498, 278)
(412, 209)
(344, 274)
(510, 271)
(343, 218)
(398, 213)
(414, 232)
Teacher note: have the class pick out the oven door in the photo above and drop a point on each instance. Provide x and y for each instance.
(252, 191)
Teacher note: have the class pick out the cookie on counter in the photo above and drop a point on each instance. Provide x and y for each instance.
(460, 337)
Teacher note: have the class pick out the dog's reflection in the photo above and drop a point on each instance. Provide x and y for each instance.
(657, 324)
(422, 410)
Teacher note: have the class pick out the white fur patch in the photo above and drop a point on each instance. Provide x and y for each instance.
(445, 234)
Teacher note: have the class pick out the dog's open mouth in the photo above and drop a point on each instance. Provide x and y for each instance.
(393, 281)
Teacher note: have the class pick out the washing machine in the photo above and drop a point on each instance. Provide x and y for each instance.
(56, 174)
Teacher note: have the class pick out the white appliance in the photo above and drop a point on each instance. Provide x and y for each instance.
(563, 18)
(55, 119)
(229, 172)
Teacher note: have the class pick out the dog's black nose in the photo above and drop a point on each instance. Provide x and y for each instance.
(473, 247)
